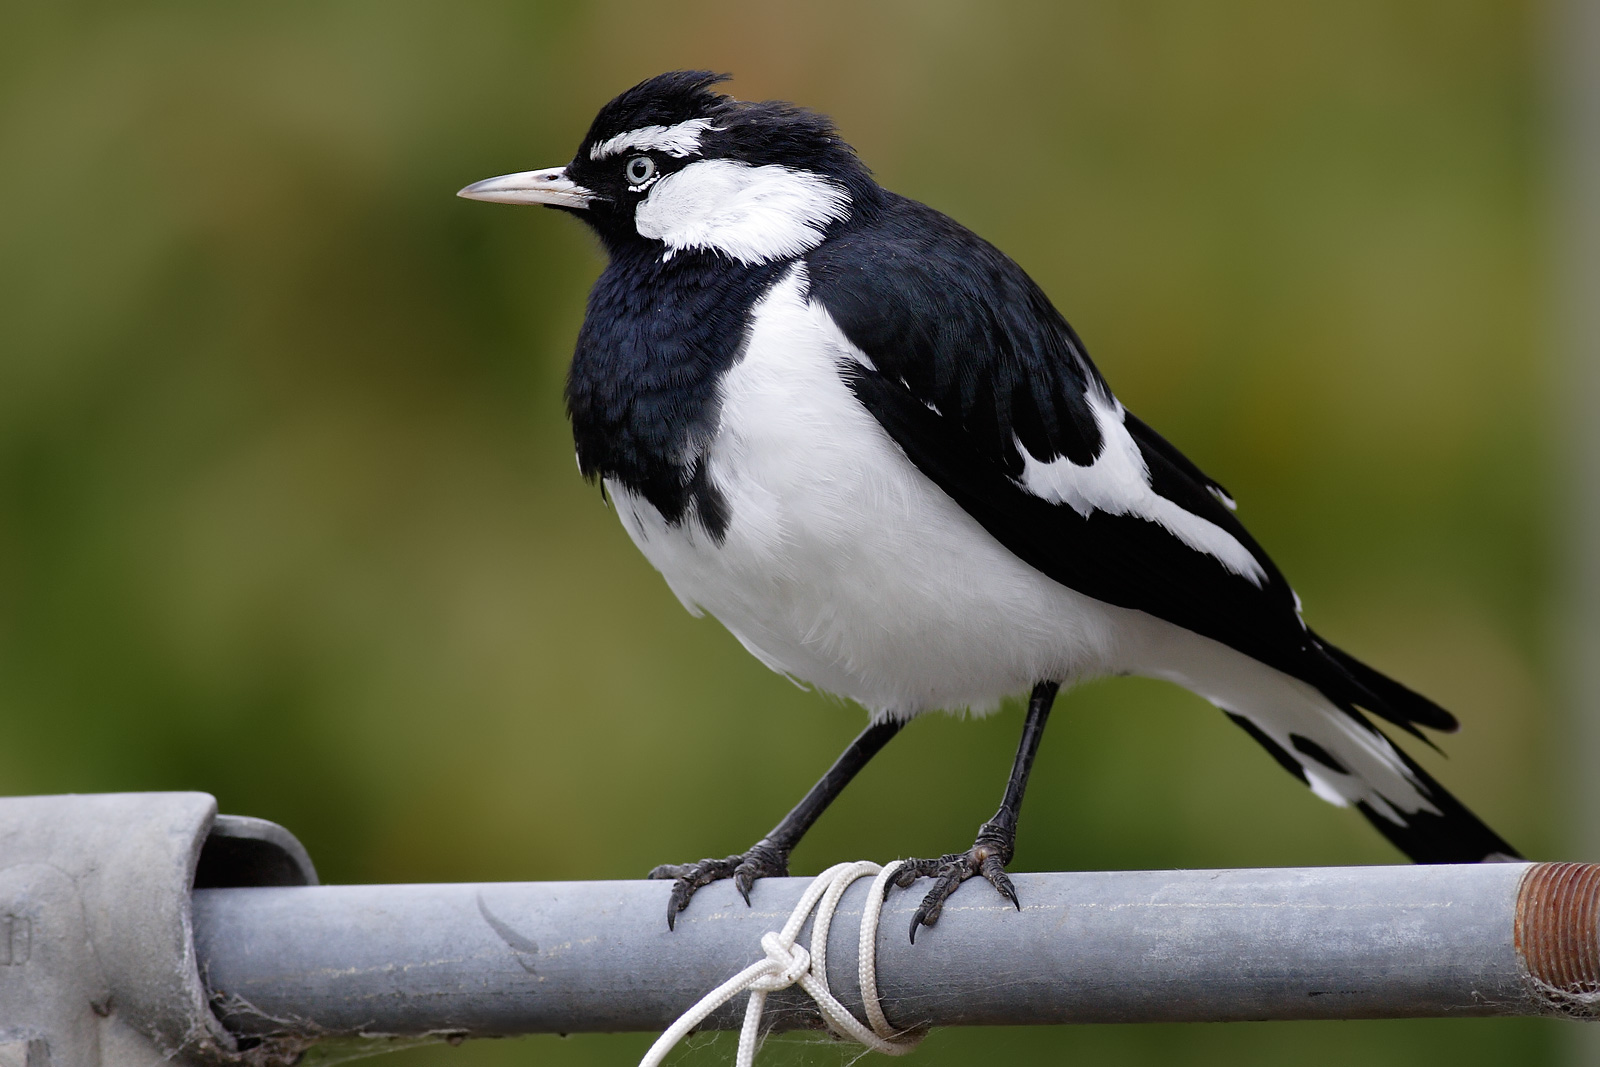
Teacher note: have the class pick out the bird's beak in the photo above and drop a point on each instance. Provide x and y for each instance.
(549, 186)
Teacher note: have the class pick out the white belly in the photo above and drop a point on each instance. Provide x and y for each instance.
(842, 564)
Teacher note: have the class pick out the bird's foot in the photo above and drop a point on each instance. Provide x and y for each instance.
(988, 857)
(764, 860)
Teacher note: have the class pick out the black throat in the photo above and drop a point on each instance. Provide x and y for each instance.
(642, 392)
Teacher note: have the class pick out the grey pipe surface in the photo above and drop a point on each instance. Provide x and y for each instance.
(1132, 946)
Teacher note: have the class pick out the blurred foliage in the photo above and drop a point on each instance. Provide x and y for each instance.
(290, 513)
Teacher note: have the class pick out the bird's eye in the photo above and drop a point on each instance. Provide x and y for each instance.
(640, 169)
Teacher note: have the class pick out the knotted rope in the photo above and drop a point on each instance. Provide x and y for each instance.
(788, 963)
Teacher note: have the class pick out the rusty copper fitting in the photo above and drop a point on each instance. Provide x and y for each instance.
(1558, 934)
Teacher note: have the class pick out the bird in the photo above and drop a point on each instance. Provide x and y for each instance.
(866, 441)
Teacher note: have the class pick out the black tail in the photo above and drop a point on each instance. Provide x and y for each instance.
(1336, 750)
(1349, 681)
(1454, 835)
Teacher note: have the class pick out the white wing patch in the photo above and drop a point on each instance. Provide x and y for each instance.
(751, 214)
(1118, 483)
(677, 141)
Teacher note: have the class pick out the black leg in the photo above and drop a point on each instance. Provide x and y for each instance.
(997, 838)
(769, 857)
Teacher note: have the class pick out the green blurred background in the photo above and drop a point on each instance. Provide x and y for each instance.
(289, 507)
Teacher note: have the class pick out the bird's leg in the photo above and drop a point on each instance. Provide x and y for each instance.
(997, 838)
(769, 857)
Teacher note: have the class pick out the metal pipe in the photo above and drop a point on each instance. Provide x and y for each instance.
(1131, 946)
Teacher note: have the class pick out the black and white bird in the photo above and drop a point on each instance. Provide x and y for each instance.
(863, 438)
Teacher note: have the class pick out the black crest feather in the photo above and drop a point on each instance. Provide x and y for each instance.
(664, 100)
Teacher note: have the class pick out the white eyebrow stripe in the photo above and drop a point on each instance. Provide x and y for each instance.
(679, 140)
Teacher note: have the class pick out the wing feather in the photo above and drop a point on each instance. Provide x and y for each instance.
(979, 379)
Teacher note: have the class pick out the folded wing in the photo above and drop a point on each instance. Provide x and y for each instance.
(990, 393)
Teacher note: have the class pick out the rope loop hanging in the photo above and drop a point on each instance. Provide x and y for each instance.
(788, 963)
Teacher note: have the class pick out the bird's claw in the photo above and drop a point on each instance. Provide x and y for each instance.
(762, 861)
(986, 858)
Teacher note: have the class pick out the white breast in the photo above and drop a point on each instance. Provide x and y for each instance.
(843, 565)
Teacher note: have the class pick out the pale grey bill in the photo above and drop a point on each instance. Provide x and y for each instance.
(548, 186)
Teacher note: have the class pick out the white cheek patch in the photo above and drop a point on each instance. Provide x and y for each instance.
(677, 141)
(1118, 483)
(751, 214)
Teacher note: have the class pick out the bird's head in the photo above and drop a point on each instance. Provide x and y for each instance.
(674, 166)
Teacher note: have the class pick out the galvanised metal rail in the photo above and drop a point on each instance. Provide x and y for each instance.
(100, 932)
(1129, 946)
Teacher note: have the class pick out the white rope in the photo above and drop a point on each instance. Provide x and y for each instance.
(788, 963)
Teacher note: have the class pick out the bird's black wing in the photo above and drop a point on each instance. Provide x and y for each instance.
(970, 364)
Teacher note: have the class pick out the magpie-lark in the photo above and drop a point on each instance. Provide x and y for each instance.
(862, 438)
